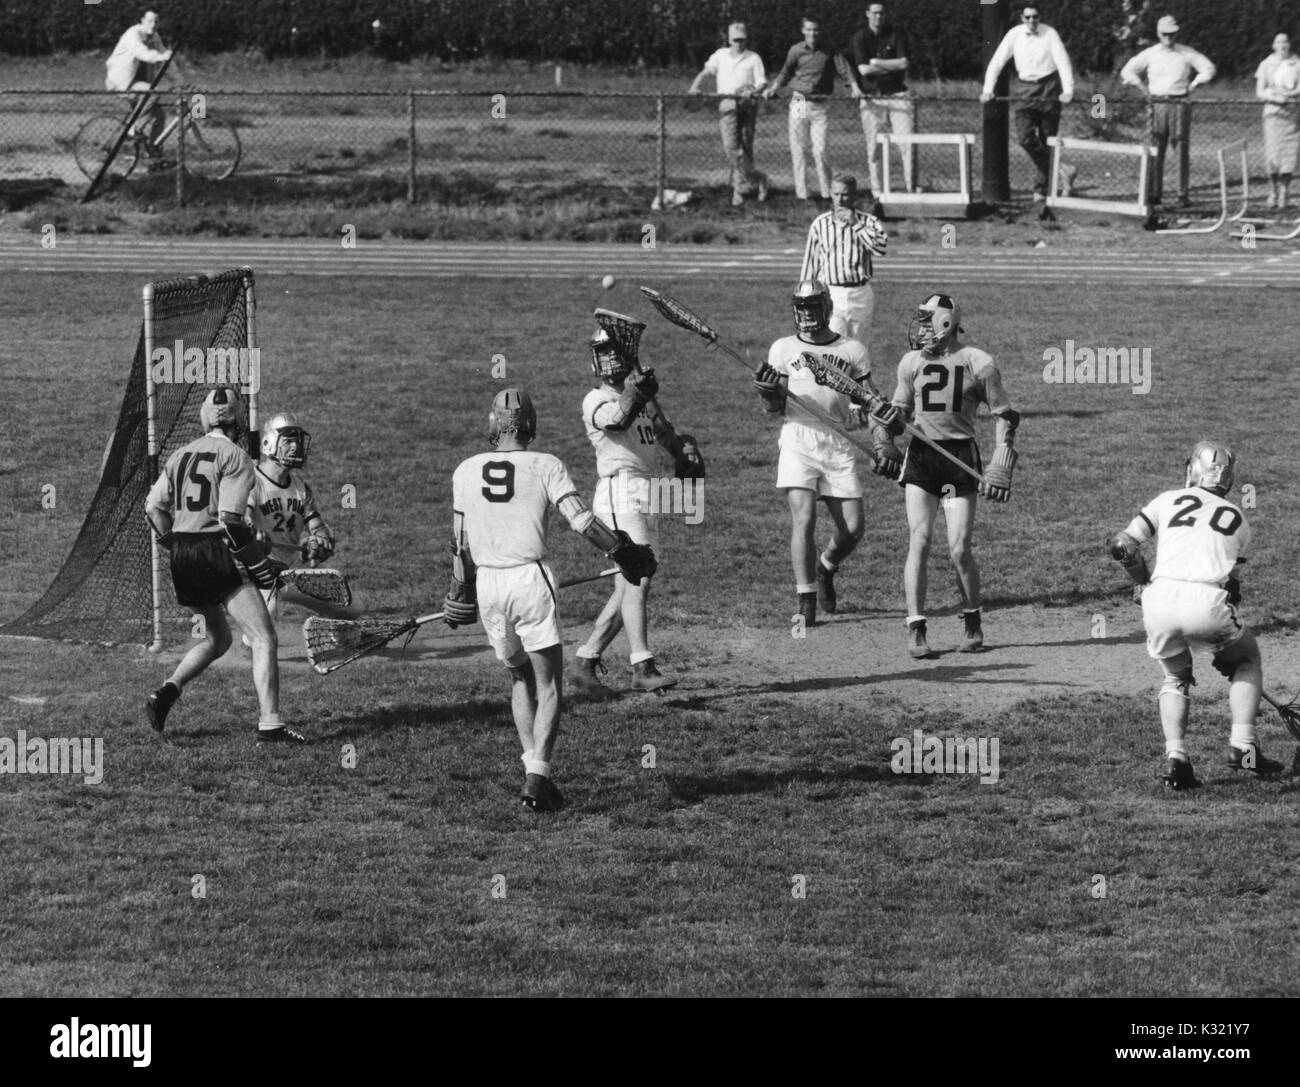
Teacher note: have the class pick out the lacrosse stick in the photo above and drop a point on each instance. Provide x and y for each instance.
(825, 372)
(679, 315)
(626, 332)
(332, 643)
(324, 584)
(1289, 713)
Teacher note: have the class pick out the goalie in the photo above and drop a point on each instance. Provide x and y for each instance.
(283, 511)
(941, 385)
(500, 501)
(1190, 600)
(196, 509)
(627, 429)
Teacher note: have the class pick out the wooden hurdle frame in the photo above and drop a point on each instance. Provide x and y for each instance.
(953, 203)
(1141, 209)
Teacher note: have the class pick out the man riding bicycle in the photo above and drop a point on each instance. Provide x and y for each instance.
(127, 71)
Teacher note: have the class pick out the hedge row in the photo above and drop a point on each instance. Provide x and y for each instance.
(945, 34)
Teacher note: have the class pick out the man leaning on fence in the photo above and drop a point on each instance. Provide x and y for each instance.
(1171, 72)
(810, 70)
(126, 71)
(1044, 81)
(739, 72)
(878, 53)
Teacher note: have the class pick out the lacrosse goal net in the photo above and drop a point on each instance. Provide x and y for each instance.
(114, 587)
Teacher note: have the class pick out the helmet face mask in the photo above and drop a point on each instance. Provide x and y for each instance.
(512, 413)
(285, 442)
(223, 409)
(937, 320)
(1210, 466)
(812, 306)
(607, 362)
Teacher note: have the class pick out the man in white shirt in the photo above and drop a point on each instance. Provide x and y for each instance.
(739, 72)
(1044, 80)
(1171, 71)
(140, 45)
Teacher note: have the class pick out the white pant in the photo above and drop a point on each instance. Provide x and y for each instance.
(516, 605)
(1181, 615)
(895, 115)
(852, 311)
(808, 131)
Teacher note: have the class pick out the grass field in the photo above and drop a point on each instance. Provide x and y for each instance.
(414, 873)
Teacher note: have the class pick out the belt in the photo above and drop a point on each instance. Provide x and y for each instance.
(1035, 82)
(859, 283)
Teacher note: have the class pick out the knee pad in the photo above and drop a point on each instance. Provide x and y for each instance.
(1244, 651)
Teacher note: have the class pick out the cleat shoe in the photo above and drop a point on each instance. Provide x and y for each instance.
(1254, 760)
(281, 735)
(584, 679)
(540, 794)
(646, 677)
(916, 643)
(808, 609)
(825, 588)
(1178, 775)
(973, 634)
(159, 705)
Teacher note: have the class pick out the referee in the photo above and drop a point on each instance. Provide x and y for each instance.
(841, 243)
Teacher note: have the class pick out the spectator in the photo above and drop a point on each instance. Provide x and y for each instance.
(739, 72)
(879, 55)
(1277, 84)
(1172, 71)
(127, 71)
(1044, 80)
(810, 70)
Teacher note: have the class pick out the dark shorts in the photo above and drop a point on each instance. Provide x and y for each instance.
(203, 571)
(931, 472)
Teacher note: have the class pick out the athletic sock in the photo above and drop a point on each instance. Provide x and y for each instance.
(536, 766)
(804, 590)
(1177, 749)
(270, 724)
(1244, 735)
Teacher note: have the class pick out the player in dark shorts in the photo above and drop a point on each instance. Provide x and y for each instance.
(197, 509)
(941, 385)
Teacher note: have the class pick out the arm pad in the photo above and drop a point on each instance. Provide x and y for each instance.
(1127, 552)
(248, 550)
(1007, 423)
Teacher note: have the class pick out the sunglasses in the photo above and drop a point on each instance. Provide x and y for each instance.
(1030, 18)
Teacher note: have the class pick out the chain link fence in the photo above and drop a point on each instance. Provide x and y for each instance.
(465, 149)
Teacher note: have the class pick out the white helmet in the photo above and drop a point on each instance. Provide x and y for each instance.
(1209, 466)
(284, 441)
(223, 409)
(936, 319)
(812, 305)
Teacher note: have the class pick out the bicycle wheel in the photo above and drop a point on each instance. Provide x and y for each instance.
(211, 149)
(94, 143)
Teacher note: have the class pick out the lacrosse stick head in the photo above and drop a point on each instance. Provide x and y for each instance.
(615, 345)
(679, 314)
(1290, 714)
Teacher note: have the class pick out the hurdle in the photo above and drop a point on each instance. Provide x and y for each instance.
(1146, 155)
(1224, 151)
(936, 204)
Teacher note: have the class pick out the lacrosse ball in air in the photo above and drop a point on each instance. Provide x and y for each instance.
(608, 283)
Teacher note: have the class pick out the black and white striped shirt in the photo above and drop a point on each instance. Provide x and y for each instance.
(839, 254)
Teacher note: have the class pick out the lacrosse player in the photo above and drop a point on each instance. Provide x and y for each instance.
(283, 510)
(500, 501)
(941, 385)
(627, 435)
(815, 462)
(1191, 600)
(196, 509)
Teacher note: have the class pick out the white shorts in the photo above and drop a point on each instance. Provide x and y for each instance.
(817, 461)
(516, 605)
(623, 501)
(1184, 615)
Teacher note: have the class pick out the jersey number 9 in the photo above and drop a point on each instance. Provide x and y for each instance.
(499, 475)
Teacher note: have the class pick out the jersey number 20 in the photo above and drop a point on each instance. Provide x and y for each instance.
(1225, 520)
(499, 475)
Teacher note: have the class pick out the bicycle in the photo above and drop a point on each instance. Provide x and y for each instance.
(212, 147)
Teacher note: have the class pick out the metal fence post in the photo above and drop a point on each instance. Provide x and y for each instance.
(182, 108)
(663, 149)
(411, 153)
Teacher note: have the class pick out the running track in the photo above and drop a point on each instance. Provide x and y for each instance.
(1278, 266)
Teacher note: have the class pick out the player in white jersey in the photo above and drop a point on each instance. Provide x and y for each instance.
(633, 445)
(283, 510)
(816, 462)
(1190, 600)
(500, 502)
(197, 508)
(941, 385)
